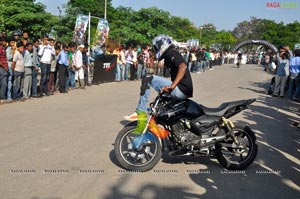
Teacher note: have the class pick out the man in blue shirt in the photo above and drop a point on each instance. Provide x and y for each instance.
(63, 63)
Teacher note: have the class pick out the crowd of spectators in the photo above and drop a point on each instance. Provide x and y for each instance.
(42, 67)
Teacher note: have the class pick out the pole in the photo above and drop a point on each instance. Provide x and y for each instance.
(200, 36)
(89, 41)
(105, 9)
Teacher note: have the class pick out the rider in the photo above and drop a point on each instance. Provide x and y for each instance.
(239, 59)
(180, 87)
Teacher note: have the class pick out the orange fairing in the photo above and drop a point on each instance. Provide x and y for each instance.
(157, 130)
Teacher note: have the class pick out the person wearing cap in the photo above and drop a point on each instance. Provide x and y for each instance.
(46, 52)
(79, 73)
(16, 35)
(3, 71)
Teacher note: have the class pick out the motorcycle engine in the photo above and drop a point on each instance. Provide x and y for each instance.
(184, 136)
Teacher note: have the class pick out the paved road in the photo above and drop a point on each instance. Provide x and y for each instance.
(61, 147)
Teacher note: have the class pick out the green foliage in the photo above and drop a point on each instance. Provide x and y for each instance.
(138, 27)
(25, 15)
(225, 39)
(275, 33)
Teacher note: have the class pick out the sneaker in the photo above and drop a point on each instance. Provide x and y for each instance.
(132, 117)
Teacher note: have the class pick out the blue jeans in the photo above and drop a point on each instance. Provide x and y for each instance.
(9, 81)
(3, 83)
(294, 88)
(190, 66)
(45, 74)
(34, 82)
(70, 81)
(118, 72)
(127, 68)
(202, 66)
(122, 69)
(18, 84)
(157, 84)
(140, 71)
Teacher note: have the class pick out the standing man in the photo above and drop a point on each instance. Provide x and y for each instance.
(70, 82)
(79, 73)
(28, 67)
(10, 49)
(124, 74)
(3, 71)
(140, 66)
(85, 61)
(129, 63)
(18, 68)
(45, 52)
(36, 68)
(63, 64)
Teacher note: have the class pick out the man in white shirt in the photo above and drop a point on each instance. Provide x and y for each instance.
(79, 73)
(46, 53)
(123, 64)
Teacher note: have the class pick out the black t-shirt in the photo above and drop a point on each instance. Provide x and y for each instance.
(172, 60)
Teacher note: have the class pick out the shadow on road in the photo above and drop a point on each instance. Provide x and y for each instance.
(147, 190)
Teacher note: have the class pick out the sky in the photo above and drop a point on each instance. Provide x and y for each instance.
(225, 15)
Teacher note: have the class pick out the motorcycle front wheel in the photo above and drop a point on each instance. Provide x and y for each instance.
(239, 157)
(133, 160)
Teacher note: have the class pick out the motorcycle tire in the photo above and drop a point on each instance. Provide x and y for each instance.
(125, 160)
(236, 165)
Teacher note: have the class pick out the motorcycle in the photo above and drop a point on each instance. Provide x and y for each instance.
(186, 128)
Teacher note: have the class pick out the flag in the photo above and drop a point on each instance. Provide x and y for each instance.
(80, 29)
(101, 32)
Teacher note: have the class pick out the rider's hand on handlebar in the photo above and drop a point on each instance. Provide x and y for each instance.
(166, 89)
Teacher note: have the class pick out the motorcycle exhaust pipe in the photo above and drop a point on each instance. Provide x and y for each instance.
(211, 141)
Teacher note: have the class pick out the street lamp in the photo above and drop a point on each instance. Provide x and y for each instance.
(200, 27)
(59, 10)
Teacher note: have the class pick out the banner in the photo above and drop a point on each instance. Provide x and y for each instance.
(104, 68)
(101, 32)
(80, 29)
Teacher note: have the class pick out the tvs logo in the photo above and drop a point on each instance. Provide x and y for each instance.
(108, 66)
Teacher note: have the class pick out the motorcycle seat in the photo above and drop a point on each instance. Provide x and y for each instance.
(222, 109)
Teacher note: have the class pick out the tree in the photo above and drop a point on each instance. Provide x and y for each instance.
(225, 39)
(208, 32)
(25, 15)
(140, 27)
(248, 29)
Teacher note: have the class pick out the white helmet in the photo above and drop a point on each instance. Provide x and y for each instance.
(161, 43)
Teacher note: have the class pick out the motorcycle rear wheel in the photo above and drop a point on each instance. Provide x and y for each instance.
(132, 160)
(233, 157)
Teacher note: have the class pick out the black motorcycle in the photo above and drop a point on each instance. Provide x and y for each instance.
(186, 128)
